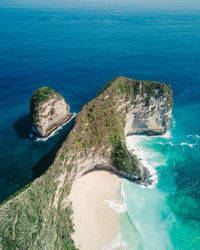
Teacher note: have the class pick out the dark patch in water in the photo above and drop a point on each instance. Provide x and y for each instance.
(46, 161)
(22, 126)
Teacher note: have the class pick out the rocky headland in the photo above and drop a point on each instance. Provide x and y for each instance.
(48, 111)
(40, 215)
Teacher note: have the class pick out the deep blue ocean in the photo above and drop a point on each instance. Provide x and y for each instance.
(77, 51)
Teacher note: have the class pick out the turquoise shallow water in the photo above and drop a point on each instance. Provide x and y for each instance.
(77, 51)
(165, 216)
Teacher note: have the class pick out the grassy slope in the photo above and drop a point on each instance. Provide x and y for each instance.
(39, 217)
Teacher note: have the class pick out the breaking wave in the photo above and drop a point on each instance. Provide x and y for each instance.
(149, 158)
(191, 145)
(118, 206)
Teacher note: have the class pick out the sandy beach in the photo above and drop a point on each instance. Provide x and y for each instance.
(96, 224)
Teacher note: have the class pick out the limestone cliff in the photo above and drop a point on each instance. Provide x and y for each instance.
(39, 217)
(48, 111)
(151, 115)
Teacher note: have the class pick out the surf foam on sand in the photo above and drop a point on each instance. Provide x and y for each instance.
(146, 157)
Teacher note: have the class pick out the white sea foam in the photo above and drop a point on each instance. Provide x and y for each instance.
(117, 206)
(191, 145)
(122, 190)
(164, 143)
(117, 243)
(148, 157)
(160, 143)
(170, 143)
(167, 135)
(190, 136)
(197, 136)
(173, 123)
(53, 133)
(132, 142)
(194, 136)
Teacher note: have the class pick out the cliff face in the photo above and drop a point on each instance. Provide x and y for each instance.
(48, 111)
(40, 216)
(151, 115)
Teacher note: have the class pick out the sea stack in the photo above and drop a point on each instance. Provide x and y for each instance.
(48, 111)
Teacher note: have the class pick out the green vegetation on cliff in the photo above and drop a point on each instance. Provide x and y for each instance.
(40, 217)
(43, 93)
(122, 159)
(40, 95)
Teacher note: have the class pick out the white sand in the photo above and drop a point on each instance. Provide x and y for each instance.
(96, 224)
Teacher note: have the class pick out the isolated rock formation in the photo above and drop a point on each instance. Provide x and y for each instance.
(48, 111)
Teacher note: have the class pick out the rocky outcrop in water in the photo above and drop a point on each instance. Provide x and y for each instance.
(48, 111)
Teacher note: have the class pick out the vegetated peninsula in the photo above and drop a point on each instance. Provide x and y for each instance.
(48, 111)
(40, 215)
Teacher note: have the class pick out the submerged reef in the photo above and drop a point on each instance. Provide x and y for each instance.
(40, 215)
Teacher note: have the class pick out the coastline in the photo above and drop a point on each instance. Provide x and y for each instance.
(96, 223)
(92, 143)
(132, 143)
(95, 199)
(53, 131)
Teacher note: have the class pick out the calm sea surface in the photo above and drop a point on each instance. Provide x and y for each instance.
(76, 52)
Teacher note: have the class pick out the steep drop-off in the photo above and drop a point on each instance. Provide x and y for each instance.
(39, 217)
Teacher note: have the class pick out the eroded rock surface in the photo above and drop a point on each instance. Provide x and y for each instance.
(151, 114)
(48, 111)
(39, 216)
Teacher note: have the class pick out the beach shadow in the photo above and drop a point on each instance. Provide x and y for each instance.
(22, 126)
